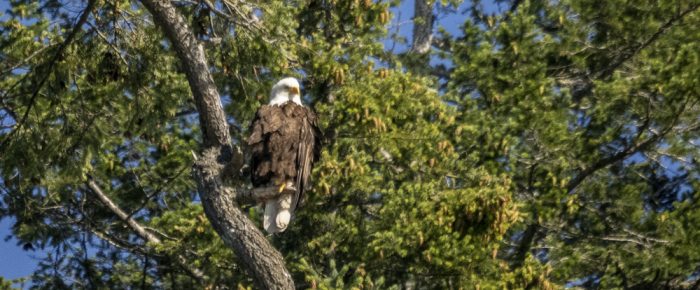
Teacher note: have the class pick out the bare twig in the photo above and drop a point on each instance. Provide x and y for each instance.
(142, 232)
(139, 229)
(114, 241)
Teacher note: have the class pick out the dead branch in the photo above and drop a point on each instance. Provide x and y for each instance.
(139, 229)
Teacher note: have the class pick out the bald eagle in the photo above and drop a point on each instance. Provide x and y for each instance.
(285, 142)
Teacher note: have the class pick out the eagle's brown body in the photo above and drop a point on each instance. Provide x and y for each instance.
(285, 142)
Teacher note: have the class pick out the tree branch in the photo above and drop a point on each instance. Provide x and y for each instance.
(114, 241)
(525, 244)
(59, 51)
(263, 261)
(109, 43)
(143, 233)
(27, 59)
(256, 195)
(423, 20)
(582, 82)
(628, 55)
(140, 230)
(602, 163)
(637, 147)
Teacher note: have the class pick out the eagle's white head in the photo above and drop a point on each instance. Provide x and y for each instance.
(285, 90)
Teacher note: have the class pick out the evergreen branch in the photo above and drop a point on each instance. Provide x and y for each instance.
(530, 234)
(525, 244)
(27, 59)
(624, 57)
(56, 57)
(644, 237)
(234, 15)
(114, 241)
(625, 240)
(109, 43)
(582, 83)
(141, 230)
(621, 155)
(157, 191)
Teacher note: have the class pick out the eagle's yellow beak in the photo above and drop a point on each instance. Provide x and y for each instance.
(294, 90)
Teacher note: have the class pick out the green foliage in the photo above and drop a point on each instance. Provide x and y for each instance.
(387, 183)
(5, 284)
(554, 143)
(189, 233)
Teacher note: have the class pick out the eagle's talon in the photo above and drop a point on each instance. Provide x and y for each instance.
(289, 188)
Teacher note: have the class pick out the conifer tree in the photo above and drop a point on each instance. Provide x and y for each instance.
(539, 145)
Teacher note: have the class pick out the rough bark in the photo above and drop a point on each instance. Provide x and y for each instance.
(262, 261)
(423, 20)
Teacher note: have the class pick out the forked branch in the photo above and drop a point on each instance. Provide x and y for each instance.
(138, 228)
(262, 261)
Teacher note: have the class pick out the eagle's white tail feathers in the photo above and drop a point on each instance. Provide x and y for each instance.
(283, 218)
(270, 214)
(278, 213)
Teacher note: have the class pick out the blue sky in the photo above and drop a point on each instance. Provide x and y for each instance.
(16, 263)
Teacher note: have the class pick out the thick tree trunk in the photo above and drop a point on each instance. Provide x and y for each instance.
(263, 261)
(423, 26)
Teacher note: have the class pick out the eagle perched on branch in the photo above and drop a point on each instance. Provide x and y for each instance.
(285, 142)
